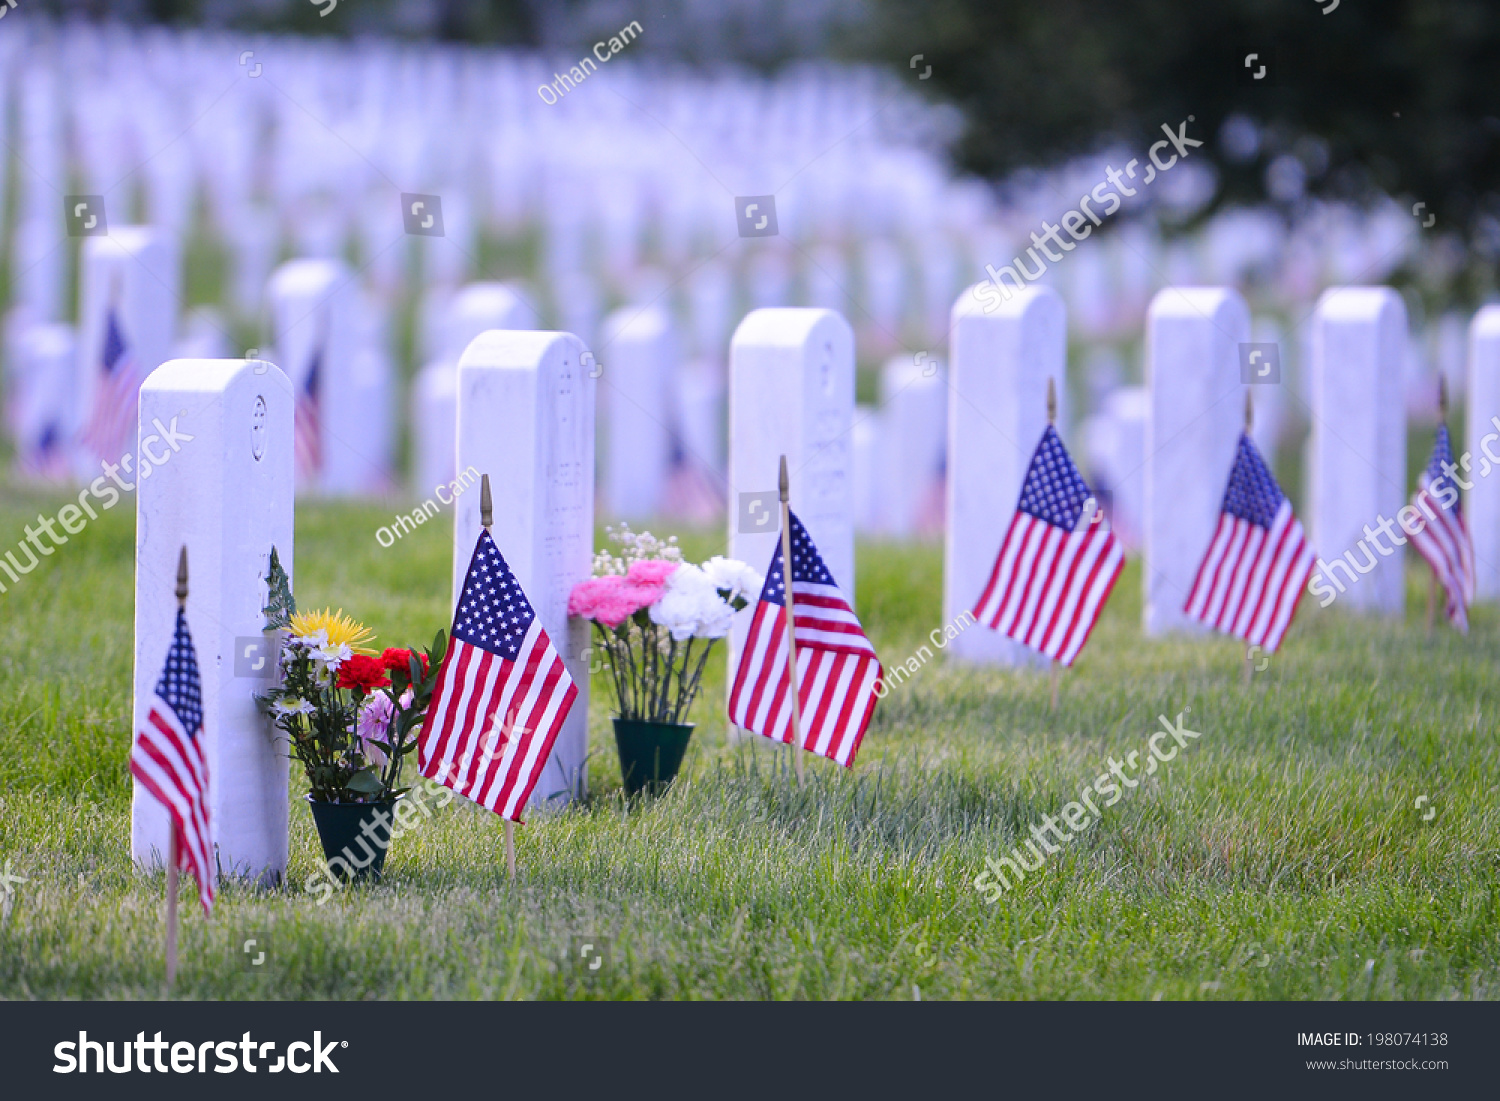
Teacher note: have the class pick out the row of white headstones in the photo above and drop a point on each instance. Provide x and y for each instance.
(523, 413)
(654, 404)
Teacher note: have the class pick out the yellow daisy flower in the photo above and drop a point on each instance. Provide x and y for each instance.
(338, 627)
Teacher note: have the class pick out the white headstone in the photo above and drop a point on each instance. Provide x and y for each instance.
(914, 412)
(476, 308)
(214, 474)
(254, 233)
(1270, 400)
(315, 319)
(44, 265)
(864, 461)
(1115, 442)
(695, 489)
(1356, 468)
(884, 292)
(997, 411)
(639, 360)
(1194, 416)
(44, 412)
(1482, 503)
(133, 272)
(791, 392)
(526, 418)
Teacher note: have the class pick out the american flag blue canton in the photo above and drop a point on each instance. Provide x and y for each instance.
(1442, 452)
(493, 612)
(179, 687)
(1253, 493)
(114, 343)
(807, 565)
(1054, 491)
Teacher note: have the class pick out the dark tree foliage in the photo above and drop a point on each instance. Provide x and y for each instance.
(1393, 96)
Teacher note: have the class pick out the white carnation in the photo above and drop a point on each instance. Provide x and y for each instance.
(738, 579)
(691, 607)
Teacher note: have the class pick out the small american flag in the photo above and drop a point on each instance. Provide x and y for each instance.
(1443, 538)
(46, 458)
(168, 760)
(1051, 580)
(308, 430)
(501, 696)
(1257, 565)
(837, 670)
(110, 431)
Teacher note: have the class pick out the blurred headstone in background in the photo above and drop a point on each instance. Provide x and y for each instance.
(1356, 454)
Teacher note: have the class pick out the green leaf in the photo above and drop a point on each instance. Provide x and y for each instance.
(280, 604)
(366, 782)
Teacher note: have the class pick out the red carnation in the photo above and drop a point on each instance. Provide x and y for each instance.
(363, 674)
(394, 659)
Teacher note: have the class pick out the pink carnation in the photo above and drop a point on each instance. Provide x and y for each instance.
(586, 596)
(617, 607)
(651, 571)
(611, 600)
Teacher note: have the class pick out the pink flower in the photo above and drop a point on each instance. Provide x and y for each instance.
(586, 596)
(374, 726)
(612, 599)
(651, 571)
(617, 606)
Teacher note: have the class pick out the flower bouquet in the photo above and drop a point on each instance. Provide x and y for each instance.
(349, 717)
(657, 618)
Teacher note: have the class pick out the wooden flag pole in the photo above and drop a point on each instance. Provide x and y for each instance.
(172, 838)
(487, 520)
(1056, 671)
(1249, 668)
(1432, 581)
(791, 631)
(172, 908)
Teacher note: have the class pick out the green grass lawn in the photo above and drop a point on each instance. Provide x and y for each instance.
(1280, 855)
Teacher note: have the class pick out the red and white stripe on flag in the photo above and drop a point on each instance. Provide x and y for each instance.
(111, 427)
(837, 670)
(1443, 540)
(1051, 579)
(1258, 561)
(167, 760)
(1049, 585)
(1249, 582)
(837, 674)
(502, 694)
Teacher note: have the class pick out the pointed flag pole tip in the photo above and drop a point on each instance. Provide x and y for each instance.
(1443, 397)
(1249, 412)
(486, 504)
(1051, 401)
(182, 588)
(784, 483)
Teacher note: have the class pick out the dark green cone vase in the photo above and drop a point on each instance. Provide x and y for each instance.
(650, 753)
(351, 855)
